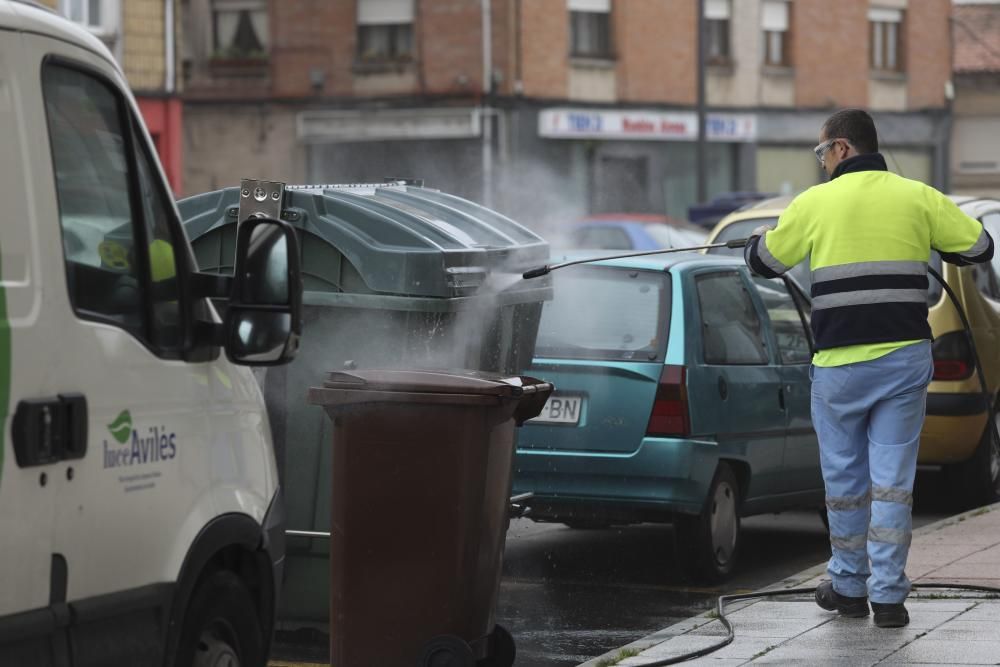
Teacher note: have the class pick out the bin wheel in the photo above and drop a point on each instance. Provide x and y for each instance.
(503, 650)
(447, 651)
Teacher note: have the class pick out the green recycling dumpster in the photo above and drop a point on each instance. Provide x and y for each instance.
(421, 468)
(396, 276)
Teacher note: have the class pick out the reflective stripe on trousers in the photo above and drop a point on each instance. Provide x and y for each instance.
(868, 417)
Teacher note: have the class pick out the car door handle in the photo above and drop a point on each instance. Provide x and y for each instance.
(781, 397)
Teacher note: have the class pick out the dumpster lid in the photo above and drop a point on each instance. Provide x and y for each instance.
(436, 382)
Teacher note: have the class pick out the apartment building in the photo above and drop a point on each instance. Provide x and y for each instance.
(142, 35)
(975, 155)
(549, 108)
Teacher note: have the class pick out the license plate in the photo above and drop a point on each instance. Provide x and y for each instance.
(560, 409)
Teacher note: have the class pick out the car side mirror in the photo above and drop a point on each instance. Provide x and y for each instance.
(264, 317)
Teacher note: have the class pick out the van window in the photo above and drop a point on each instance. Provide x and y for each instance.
(103, 225)
(85, 119)
(731, 330)
(167, 331)
(606, 313)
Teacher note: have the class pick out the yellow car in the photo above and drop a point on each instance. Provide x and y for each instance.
(956, 438)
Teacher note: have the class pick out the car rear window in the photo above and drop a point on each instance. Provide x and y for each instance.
(606, 313)
(674, 237)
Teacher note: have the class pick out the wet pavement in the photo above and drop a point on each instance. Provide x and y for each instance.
(570, 595)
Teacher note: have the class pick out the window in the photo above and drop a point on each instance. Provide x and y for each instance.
(786, 321)
(239, 28)
(717, 17)
(774, 22)
(99, 16)
(886, 39)
(102, 229)
(167, 331)
(731, 330)
(590, 28)
(606, 313)
(987, 276)
(602, 237)
(385, 30)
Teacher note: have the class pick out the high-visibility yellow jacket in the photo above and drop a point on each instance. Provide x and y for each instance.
(868, 234)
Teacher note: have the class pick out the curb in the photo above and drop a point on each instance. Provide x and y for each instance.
(793, 581)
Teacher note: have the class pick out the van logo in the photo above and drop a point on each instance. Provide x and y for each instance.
(135, 445)
(121, 427)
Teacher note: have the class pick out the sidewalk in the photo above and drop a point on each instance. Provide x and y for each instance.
(946, 627)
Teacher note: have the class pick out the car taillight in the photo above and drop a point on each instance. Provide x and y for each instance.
(670, 408)
(952, 357)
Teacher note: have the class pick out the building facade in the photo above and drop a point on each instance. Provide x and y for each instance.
(143, 36)
(550, 108)
(975, 155)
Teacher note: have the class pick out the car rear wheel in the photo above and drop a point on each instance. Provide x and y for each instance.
(977, 481)
(707, 545)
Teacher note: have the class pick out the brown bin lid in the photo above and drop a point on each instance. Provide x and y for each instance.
(435, 382)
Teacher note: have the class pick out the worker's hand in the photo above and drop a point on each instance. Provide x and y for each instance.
(763, 229)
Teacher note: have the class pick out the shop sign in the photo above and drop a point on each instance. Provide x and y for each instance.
(564, 123)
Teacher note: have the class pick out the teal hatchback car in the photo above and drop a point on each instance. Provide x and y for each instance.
(682, 396)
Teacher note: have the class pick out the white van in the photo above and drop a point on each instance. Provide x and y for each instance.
(140, 518)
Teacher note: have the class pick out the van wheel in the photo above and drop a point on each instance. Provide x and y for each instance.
(977, 481)
(707, 545)
(221, 628)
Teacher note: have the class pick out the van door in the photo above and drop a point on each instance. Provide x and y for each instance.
(734, 382)
(116, 329)
(27, 490)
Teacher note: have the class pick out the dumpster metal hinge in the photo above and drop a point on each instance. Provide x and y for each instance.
(261, 199)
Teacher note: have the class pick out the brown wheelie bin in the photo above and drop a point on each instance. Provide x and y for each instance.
(421, 477)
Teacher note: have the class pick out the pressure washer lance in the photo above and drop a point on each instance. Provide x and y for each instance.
(548, 268)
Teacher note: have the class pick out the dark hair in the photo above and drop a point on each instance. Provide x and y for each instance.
(856, 126)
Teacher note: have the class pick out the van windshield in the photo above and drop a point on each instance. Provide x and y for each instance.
(606, 313)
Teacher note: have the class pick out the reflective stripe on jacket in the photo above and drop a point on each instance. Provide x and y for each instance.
(868, 234)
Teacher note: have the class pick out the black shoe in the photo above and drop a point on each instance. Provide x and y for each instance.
(831, 600)
(890, 615)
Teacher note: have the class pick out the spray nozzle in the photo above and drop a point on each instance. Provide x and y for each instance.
(536, 273)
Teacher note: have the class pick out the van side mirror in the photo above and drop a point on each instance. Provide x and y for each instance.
(264, 317)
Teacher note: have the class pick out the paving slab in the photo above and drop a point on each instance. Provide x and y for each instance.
(952, 652)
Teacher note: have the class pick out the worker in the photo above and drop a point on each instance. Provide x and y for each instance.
(868, 235)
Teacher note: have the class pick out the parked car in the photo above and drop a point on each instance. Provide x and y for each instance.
(682, 396)
(956, 437)
(634, 231)
(707, 214)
